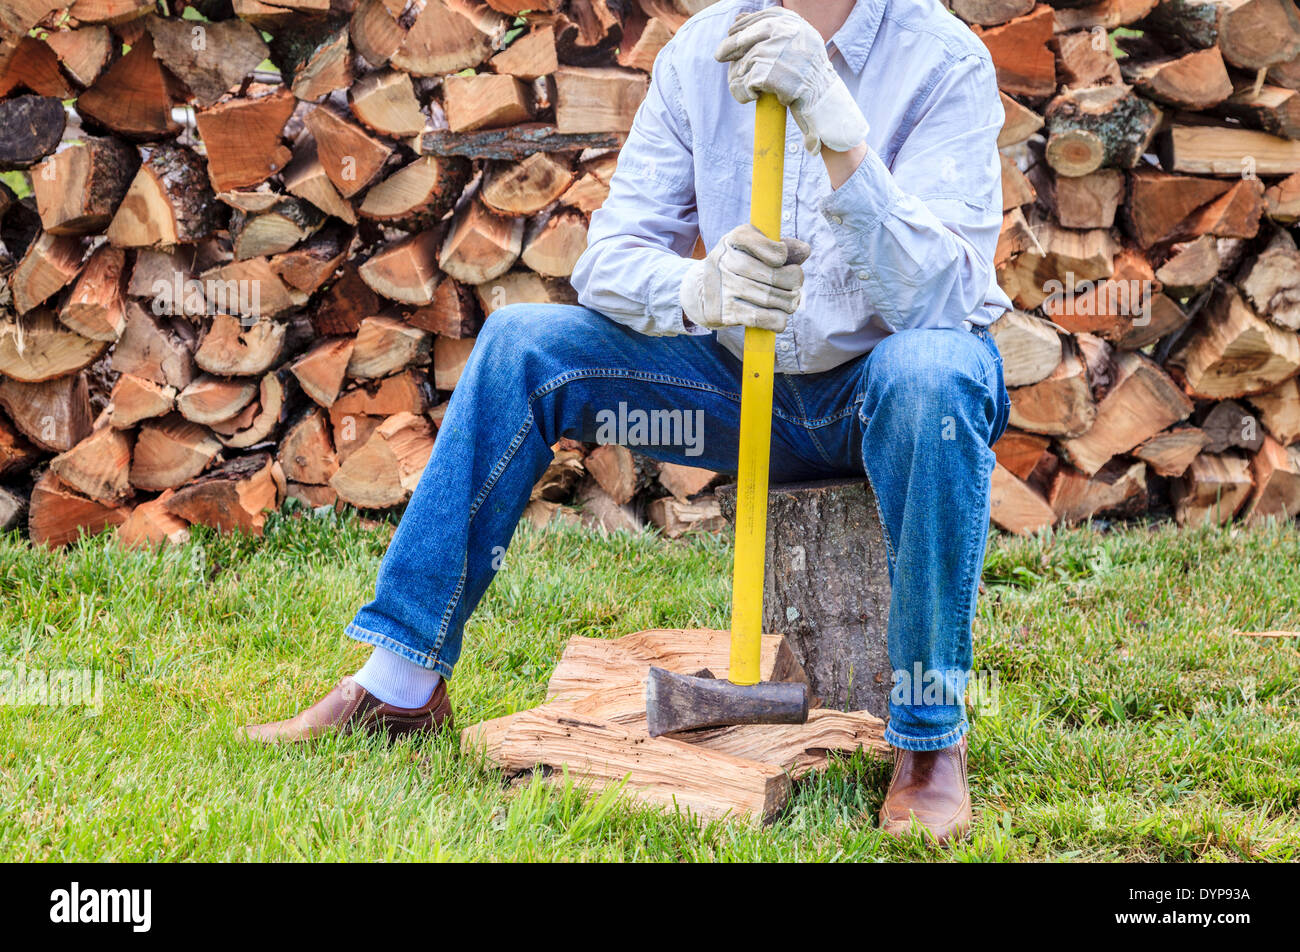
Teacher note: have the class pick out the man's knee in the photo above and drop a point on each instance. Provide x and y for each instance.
(932, 374)
(516, 332)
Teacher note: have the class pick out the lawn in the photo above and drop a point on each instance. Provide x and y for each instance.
(1133, 721)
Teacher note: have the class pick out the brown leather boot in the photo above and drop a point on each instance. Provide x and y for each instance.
(350, 707)
(931, 787)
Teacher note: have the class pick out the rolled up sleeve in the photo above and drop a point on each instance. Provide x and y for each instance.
(639, 240)
(921, 233)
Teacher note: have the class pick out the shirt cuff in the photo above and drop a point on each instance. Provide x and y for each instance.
(861, 203)
(664, 309)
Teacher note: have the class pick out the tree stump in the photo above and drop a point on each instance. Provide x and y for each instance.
(826, 587)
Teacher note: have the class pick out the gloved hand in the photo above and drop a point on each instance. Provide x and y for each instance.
(778, 51)
(747, 279)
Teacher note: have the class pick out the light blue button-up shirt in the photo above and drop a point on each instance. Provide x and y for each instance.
(906, 242)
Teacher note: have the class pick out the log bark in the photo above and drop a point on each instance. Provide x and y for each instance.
(826, 587)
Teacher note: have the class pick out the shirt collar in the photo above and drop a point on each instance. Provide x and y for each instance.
(855, 37)
(853, 40)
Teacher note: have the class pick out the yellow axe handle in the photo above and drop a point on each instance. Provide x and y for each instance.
(756, 411)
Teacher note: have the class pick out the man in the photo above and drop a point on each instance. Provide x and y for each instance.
(881, 293)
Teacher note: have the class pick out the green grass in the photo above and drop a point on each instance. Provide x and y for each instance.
(1132, 722)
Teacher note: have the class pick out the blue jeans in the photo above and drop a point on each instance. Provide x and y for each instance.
(917, 415)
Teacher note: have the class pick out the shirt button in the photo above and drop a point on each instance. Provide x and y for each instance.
(787, 214)
(863, 275)
(836, 220)
(794, 148)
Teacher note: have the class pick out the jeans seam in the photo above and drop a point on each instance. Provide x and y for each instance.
(808, 426)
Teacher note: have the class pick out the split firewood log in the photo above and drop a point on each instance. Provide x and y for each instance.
(643, 38)
(230, 347)
(1228, 150)
(1233, 353)
(156, 349)
(480, 246)
(614, 469)
(449, 359)
(384, 346)
(344, 303)
(484, 101)
(250, 289)
(288, 222)
(1025, 455)
(1276, 473)
(306, 453)
(136, 398)
(1019, 122)
(210, 400)
(97, 466)
(109, 11)
(133, 97)
(54, 414)
(523, 287)
(243, 138)
(358, 411)
(1015, 506)
(1030, 348)
(552, 246)
(1196, 81)
(1171, 452)
(169, 201)
(170, 452)
(1271, 283)
(1085, 201)
(313, 58)
(350, 156)
(386, 103)
(96, 307)
(1190, 266)
(1143, 401)
(17, 454)
(1228, 425)
(1212, 490)
(79, 188)
(1117, 489)
(257, 422)
(305, 177)
(50, 264)
(1082, 61)
(530, 56)
(308, 266)
(321, 370)
(151, 525)
(1019, 48)
(234, 497)
(1158, 202)
(407, 270)
(525, 188)
(991, 12)
(684, 482)
(384, 472)
(36, 347)
(418, 194)
(57, 515)
(1279, 411)
(676, 518)
(448, 37)
(1060, 404)
(208, 57)
(600, 99)
(375, 31)
(83, 52)
(453, 312)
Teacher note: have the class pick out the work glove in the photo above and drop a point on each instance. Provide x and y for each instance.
(778, 51)
(747, 279)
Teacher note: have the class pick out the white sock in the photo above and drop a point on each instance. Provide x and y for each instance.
(396, 681)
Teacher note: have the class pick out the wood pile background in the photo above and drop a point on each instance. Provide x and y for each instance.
(250, 245)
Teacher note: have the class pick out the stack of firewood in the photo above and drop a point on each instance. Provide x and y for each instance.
(249, 243)
(252, 243)
(1150, 157)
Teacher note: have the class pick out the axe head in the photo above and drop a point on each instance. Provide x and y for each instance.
(680, 702)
